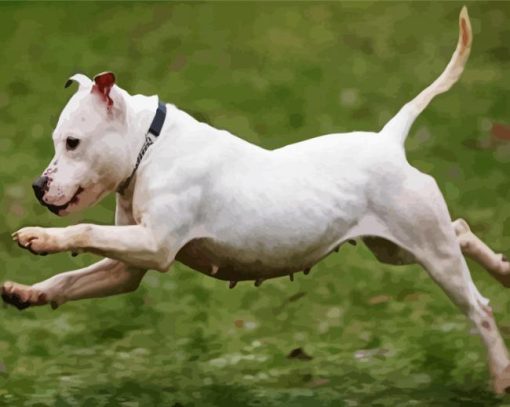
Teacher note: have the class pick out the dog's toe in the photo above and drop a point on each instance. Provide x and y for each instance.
(501, 382)
(22, 296)
(15, 300)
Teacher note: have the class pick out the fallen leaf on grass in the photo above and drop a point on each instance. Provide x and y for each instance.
(299, 353)
(296, 297)
(289, 300)
(379, 299)
(414, 296)
(500, 131)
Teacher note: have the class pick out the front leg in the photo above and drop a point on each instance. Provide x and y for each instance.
(104, 278)
(133, 244)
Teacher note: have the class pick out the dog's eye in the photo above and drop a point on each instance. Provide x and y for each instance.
(72, 143)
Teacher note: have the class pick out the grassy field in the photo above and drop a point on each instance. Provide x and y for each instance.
(273, 73)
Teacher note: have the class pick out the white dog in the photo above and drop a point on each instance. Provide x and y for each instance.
(236, 211)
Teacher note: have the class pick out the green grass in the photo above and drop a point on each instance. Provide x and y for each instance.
(273, 73)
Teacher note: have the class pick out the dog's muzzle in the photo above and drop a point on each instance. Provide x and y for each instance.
(40, 186)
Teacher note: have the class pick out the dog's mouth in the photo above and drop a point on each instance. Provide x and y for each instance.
(57, 208)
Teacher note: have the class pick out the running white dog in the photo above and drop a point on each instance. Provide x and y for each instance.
(236, 212)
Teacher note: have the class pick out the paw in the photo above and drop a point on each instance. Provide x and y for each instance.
(501, 381)
(22, 296)
(36, 240)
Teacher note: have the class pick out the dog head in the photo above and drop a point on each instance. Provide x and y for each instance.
(90, 150)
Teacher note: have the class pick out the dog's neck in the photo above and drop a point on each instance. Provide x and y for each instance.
(140, 111)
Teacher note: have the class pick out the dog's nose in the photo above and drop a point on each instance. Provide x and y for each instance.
(39, 186)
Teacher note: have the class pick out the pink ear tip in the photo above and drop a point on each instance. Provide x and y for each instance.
(104, 83)
(105, 79)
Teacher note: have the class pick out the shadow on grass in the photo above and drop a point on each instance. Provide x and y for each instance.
(144, 392)
(435, 393)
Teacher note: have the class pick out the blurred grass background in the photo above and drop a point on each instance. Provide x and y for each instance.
(272, 73)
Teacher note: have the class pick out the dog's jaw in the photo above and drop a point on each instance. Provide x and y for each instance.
(58, 209)
(84, 198)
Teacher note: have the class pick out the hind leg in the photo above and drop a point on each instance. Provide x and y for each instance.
(438, 251)
(473, 247)
(449, 270)
(416, 218)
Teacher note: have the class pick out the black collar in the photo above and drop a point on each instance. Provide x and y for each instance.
(155, 130)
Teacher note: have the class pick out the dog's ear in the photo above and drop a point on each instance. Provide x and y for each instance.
(80, 79)
(103, 84)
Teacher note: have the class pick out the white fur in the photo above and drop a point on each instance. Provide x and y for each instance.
(236, 211)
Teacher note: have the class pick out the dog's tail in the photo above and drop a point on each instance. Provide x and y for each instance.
(398, 127)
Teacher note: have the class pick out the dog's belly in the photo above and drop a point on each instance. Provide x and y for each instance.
(208, 257)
